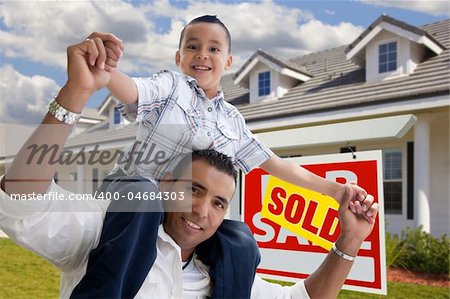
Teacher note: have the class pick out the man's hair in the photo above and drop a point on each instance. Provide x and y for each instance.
(214, 158)
(207, 19)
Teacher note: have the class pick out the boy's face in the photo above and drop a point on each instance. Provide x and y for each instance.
(211, 191)
(204, 55)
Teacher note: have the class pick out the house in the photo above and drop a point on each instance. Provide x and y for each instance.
(388, 90)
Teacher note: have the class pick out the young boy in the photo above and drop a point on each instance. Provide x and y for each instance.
(194, 101)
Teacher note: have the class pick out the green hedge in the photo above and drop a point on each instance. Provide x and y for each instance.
(418, 251)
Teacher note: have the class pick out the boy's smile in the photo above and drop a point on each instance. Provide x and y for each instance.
(204, 55)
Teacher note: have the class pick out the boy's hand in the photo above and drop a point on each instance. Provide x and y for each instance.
(107, 45)
(90, 64)
(355, 227)
(359, 201)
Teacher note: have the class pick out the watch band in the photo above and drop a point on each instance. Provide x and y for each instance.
(62, 114)
(343, 255)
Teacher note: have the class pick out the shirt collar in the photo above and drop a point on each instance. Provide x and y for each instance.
(168, 239)
(193, 82)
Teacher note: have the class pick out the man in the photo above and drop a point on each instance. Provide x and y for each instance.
(89, 69)
(66, 239)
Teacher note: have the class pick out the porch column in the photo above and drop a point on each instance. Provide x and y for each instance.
(422, 173)
(80, 179)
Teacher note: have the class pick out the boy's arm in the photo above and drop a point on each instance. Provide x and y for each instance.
(120, 85)
(300, 176)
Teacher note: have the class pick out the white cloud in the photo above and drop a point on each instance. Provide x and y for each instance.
(41, 31)
(432, 7)
(315, 35)
(24, 99)
(280, 30)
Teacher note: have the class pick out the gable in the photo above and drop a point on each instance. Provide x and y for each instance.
(386, 24)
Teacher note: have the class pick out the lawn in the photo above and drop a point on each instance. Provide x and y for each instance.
(24, 275)
(402, 290)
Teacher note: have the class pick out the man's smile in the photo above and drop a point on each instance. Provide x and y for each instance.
(191, 224)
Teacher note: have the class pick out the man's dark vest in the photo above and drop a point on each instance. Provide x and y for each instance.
(118, 266)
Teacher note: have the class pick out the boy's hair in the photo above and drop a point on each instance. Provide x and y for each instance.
(214, 158)
(207, 19)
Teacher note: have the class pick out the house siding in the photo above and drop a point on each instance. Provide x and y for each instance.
(439, 175)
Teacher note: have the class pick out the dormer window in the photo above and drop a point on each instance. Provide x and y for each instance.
(387, 57)
(264, 83)
(117, 116)
(268, 78)
(390, 48)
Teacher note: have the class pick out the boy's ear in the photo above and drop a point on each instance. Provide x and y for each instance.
(229, 62)
(177, 58)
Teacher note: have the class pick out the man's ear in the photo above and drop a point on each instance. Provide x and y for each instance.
(177, 58)
(166, 182)
(229, 62)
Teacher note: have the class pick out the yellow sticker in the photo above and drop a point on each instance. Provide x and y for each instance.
(307, 213)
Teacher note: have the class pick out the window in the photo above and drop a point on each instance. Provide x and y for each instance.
(387, 57)
(263, 84)
(117, 116)
(393, 181)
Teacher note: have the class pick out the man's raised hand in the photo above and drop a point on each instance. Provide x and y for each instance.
(91, 62)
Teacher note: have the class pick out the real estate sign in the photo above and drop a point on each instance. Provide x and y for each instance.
(295, 228)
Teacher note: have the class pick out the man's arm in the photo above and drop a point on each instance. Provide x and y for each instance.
(62, 238)
(300, 176)
(328, 279)
(89, 69)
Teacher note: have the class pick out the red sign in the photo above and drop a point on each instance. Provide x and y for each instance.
(289, 256)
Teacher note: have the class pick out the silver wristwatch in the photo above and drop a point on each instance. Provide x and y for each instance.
(62, 114)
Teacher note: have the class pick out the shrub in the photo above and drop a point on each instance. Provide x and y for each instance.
(394, 248)
(421, 252)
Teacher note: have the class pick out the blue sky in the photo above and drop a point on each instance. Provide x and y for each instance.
(35, 35)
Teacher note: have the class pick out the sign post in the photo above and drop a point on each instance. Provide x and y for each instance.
(295, 228)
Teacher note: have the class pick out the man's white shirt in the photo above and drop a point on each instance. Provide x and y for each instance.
(66, 238)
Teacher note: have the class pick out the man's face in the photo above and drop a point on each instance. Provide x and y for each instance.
(211, 192)
(204, 55)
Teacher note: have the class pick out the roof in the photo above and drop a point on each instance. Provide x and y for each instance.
(92, 113)
(338, 83)
(109, 100)
(12, 137)
(102, 137)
